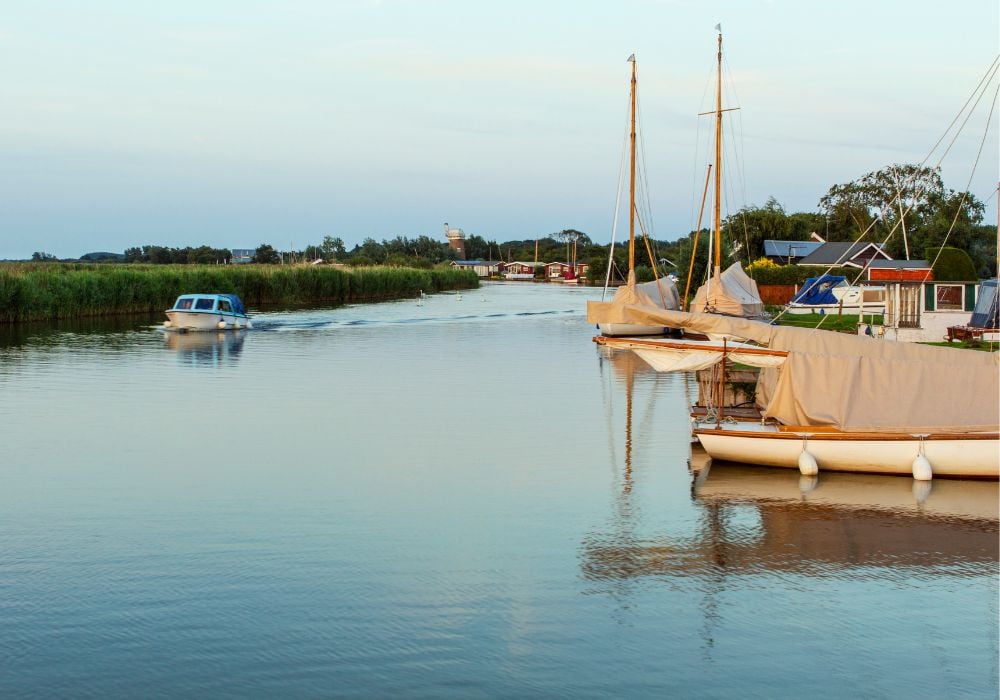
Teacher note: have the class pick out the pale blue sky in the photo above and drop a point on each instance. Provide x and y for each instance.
(234, 123)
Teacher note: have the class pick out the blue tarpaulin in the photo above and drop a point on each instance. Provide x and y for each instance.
(986, 311)
(818, 290)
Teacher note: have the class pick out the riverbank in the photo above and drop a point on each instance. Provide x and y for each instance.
(44, 291)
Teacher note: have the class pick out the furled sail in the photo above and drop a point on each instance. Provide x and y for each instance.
(732, 293)
(661, 293)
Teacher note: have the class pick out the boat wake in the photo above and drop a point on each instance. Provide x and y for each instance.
(313, 321)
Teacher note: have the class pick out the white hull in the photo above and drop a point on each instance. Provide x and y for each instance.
(851, 309)
(205, 321)
(967, 456)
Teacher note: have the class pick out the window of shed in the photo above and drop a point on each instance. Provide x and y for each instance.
(949, 297)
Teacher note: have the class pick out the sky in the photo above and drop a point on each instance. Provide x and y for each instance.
(233, 123)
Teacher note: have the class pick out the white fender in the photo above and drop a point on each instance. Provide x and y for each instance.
(922, 468)
(807, 464)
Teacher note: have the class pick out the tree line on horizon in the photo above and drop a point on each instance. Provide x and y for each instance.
(905, 208)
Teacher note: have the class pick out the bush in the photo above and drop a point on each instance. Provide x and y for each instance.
(952, 265)
(794, 274)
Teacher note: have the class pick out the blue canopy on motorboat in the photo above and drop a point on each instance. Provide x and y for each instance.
(237, 303)
(818, 290)
(987, 310)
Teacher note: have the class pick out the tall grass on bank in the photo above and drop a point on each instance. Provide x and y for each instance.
(34, 292)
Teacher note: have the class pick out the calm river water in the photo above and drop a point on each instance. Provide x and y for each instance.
(454, 497)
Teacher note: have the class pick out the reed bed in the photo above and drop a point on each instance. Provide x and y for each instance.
(34, 292)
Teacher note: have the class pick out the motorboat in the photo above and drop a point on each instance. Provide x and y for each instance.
(834, 294)
(207, 312)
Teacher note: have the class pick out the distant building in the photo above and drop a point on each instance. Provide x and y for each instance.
(558, 270)
(900, 271)
(456, 240)
(243, 255)
(789, 252)
(521, 270)
(484, 269)
(845, 253)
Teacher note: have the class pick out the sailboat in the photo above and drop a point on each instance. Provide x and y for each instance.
(661, 292)
(829, 401)
(838, 402)
(731, 292)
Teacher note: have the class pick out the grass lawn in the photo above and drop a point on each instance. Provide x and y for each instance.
(829, 322)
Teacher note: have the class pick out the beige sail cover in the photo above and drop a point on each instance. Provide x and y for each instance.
(660, 293)
(732, 292)
(855, 383)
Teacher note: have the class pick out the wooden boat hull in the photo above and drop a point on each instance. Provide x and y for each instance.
(975, 455)
(628, 329)
(205, 321)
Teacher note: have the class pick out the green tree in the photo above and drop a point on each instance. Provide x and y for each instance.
(747, 229)
(909, 207)
(333, 248)
(372, 250)
(266, 255)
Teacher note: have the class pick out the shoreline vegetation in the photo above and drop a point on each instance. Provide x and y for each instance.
(50, 291)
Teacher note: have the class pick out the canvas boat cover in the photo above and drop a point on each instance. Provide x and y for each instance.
(660, 293)
(985, 315)
(732, 293)
(818, 290)
(853, 383)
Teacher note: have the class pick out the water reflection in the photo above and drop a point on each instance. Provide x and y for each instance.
(843, 521)
(761, 520)
(755, 520)
(206, 349)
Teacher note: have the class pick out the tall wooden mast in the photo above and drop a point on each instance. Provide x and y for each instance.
(631, 187)
(718, 162)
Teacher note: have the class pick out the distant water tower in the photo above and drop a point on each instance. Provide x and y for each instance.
(456, 240)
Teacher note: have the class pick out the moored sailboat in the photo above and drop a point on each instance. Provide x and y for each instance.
(840, 402)
(731, 292)
(661, 292)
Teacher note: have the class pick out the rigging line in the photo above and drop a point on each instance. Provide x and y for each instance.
(643, 199)
(646, 189)
(618, 203)
(698, 159)
(740, 176)
(656, 273)
(967, 117)
(738, 153)
(975, 164)
(981, 90)
(992, 69)
(646, 199)
(920, 191)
